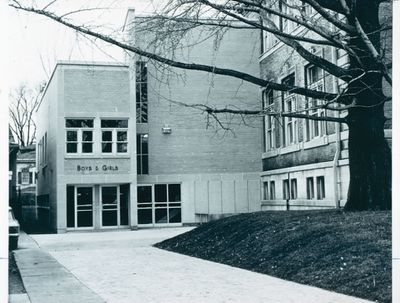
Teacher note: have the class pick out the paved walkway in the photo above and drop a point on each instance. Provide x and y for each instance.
(123, 267)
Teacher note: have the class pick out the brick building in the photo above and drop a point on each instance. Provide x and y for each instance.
(305, 162)
(115, 150)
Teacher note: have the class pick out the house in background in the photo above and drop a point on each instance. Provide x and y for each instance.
(26, 184)
(12, 174)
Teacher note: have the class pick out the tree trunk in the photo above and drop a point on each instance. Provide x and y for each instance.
(369, 152)
(369, 162)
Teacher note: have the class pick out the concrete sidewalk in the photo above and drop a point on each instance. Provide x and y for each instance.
(124, 267)
(46, 280)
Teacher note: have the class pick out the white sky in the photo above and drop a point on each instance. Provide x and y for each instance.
(35, 43)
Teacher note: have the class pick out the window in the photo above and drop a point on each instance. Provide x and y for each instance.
(289, 132)
(285, 189)
(293, 189)
(25, 177)
(315, 81)
(268, 103)
(310, 188)
(320, 188)
(141, 92)
(265, 190)
(142, 154)
(159, 204)
(272, 190)
(79, 136)
(114, 136)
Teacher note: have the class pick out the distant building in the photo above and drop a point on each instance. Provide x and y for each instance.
(26, 185)
(26, 170)
(12, 174)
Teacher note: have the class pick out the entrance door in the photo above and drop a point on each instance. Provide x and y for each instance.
(109, 205)
(145, 204)
(84, 206)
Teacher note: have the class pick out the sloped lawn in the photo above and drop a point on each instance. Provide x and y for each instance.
(346, 252)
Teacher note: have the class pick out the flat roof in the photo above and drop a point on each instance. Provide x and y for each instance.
(79, 63)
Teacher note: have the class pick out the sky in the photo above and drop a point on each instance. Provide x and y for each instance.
(35, 43)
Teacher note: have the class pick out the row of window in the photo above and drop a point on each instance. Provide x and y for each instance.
(80, 139)
(289, 189)
(294, 8)
(284, 131)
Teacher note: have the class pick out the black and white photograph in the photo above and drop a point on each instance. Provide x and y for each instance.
(190, 151)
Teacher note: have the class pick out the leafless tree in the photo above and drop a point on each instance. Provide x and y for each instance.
(23, 103)
(351, 26)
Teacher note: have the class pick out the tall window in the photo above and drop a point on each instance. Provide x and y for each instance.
(265, 192)
(285, 185)
(290, 192)
(310, 188)
(79, 136)
(141, 92)
(320, 187)
(142, 146)
(272, 190)
(114, 136)
(293, 189)
(289, 105)
(315, 81)
(268, 105)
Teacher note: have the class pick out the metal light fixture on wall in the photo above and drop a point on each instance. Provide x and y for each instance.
(166, 129)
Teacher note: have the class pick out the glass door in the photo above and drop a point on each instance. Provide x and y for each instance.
(84, 206)
(109, 198)
(145, 204)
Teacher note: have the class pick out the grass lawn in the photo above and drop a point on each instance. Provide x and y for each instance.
(346, 252)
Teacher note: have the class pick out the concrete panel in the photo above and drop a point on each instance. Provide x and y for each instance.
(254, 192)
(228, 197)
(215, 199)
(188, 206)
(201, 197)
(241, 196)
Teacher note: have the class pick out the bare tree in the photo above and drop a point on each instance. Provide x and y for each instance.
(23, 103)
(351, 26)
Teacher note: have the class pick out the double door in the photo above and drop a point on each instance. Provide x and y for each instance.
(98, 206)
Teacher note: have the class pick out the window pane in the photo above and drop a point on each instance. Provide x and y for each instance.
(161, 215)
(87, 136)
(122, 147)
(145, 164)
(293, 188)
(79, 123)
(114, 123)
(122, 136)
(160, 192)
(72, 136)
(124, 204)
(144, 194)
(145, 216)
(109, 195)
(106, 147)
(174, 192)
(70, 207)
(87, 148)
(72, 148)
(106, 136)
(175, 215)
(265, 192)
